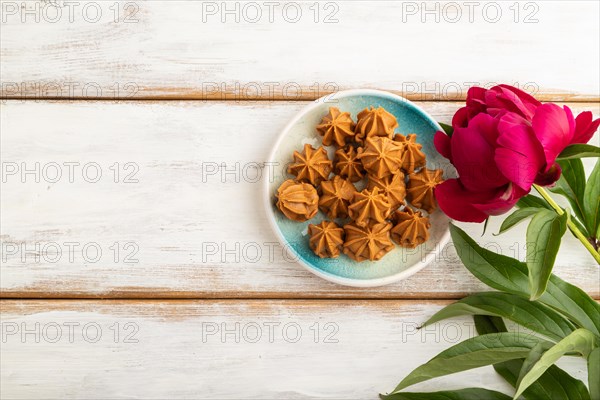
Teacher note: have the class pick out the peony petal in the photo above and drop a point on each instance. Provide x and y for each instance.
(548, 177)
(585, 127)
(528, 101)
(443, 144)
(456, 202)
(460, 118)
(476, 94)
(505, 97)
(519, 156)
(502, 202)
(473, 151)
(509, 119)
(570, 119)
(475, 104)
(554, 127)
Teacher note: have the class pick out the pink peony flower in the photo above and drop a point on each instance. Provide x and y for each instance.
(494, 101)
(504, 141)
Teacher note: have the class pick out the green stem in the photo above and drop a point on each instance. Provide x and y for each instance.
(572, 227)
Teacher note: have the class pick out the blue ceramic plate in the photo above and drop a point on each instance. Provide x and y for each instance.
(399, 263)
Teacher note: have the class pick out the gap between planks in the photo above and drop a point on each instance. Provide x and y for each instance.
(25, 296)
(258, 296)
(175, 301)
(233, 98)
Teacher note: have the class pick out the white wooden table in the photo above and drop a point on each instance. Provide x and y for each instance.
(136, 259)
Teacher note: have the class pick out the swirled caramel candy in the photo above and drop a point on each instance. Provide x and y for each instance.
(381, 157)
(411, 228)
(347, 165)
(326, 239)
(335, 197)
(412, 156)
(297, 201)
(312, 165)
(369, 206)
(393, 186)
(336, 127)
(374, 122)
(419, 191)
(369, 242)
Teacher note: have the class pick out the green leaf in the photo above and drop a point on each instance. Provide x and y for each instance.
(448, 129)
(579, 151)
(461, 394)
(509, 275)
(581, 228)
(532, 358)
(473, 353)
(485, 324)
(571, 185)
(519, 215)
(591, 202)
(581, 341)
(554, 384)
(532, 201)
(594, 373)
(485, 225)
(530, 314)
(543, 240)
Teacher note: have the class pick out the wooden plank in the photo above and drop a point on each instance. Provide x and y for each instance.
(226, 349)
(171, 224)
(247, 50)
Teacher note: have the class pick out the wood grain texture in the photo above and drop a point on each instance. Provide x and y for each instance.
(193, 225)
(296, 50)
(227, 349)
